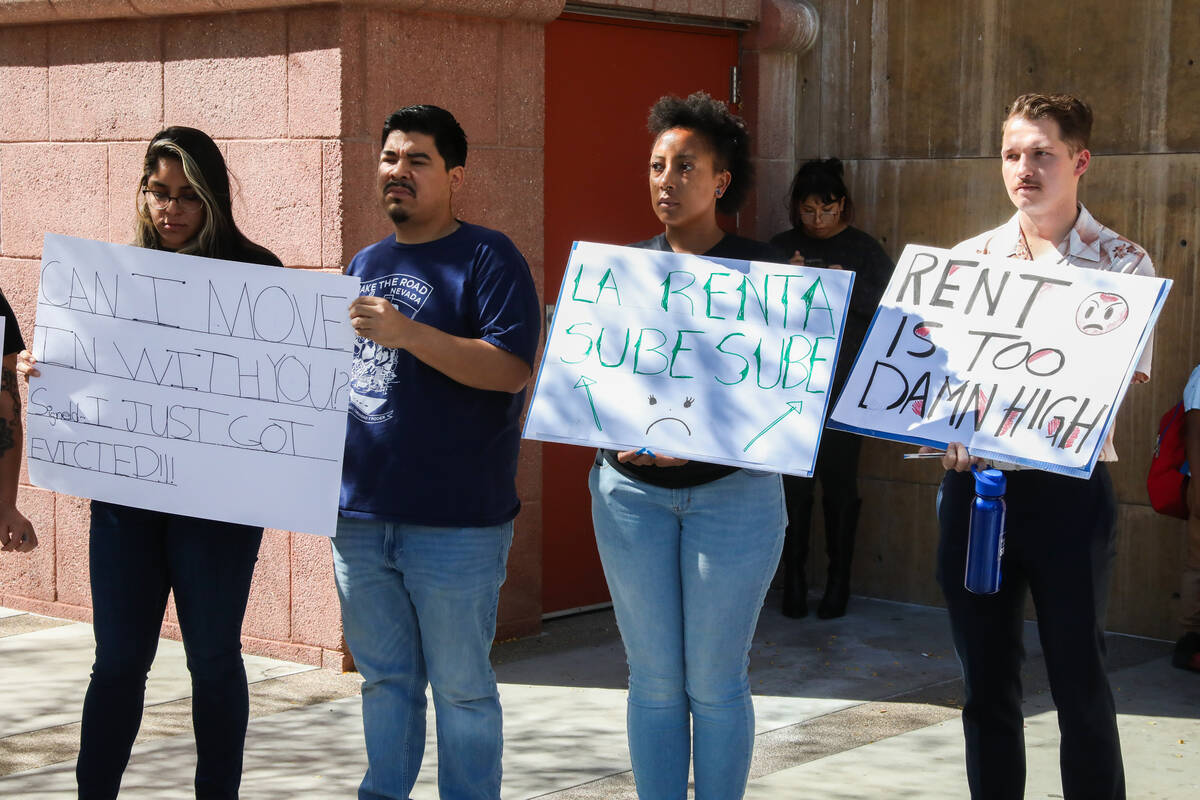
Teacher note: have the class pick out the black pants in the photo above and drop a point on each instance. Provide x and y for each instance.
(136, 558)
(837, 469)
(1059, 545)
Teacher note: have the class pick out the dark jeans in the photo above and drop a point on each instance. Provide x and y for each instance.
(137, 558)
(1059, 545)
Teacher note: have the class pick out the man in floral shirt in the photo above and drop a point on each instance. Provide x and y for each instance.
(1061, 530)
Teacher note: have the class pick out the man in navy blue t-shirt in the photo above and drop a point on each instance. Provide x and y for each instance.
(448, 326)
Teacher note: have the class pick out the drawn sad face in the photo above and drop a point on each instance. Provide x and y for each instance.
(670, 418)
(1100, 313)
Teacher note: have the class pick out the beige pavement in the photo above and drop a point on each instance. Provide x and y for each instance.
(861, 707)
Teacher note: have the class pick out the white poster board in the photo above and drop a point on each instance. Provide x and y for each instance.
(190, 385)
(702, 358)
(1023, 361)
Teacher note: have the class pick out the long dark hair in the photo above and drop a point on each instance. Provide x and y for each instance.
(822, 178)
(204, 167)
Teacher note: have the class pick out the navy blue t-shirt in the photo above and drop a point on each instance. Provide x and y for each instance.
(422, 448)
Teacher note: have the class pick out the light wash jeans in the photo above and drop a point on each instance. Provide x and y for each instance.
(418, 607)
(688, 570)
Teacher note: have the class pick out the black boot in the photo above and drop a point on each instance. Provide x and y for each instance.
(840, 526)
(798, 493)
(795, 584)
(1187, 652)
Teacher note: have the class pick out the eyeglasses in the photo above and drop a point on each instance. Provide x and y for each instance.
(813, 216)
(160, 200)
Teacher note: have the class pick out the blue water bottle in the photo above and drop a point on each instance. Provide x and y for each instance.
(985, 538)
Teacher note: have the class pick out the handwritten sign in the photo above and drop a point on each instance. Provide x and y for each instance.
(701, 358)
(1023, 361)
(190, 385)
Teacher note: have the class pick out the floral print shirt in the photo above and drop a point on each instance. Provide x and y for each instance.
(1090, 245)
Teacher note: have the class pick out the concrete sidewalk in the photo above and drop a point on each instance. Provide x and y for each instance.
(861, 707)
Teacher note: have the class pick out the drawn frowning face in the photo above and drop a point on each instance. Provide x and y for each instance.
(687, 403)
(1100, 313)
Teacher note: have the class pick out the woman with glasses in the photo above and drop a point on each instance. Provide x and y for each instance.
(138, 556)
(821, 236)
(689, 548)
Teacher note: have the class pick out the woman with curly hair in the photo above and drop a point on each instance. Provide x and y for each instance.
(689, 548)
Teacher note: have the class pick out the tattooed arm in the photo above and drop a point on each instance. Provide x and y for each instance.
(16, 533)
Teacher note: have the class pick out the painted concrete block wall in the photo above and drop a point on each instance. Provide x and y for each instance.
(296, 99)
(911, 95)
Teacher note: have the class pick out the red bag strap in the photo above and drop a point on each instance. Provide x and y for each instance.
(1163, 427)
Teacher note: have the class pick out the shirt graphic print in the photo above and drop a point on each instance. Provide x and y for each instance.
(374, 368)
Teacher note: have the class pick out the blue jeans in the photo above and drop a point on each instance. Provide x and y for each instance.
(418, 608)
(688, 570)
(136, 558)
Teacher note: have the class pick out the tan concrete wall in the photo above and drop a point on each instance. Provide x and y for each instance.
(911, 94)
(296, 98)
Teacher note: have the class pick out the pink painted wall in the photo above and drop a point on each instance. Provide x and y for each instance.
(295, 92)
(296, 98)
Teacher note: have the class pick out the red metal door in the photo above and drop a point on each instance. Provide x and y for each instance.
(602, 76)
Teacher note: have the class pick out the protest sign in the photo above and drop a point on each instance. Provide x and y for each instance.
(702, 358)
(1023, 361)
(190, 385)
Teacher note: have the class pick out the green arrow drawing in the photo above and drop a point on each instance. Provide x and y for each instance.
(793, 405)
(585, 383)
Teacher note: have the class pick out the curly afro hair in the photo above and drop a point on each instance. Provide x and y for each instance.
(725, 131)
